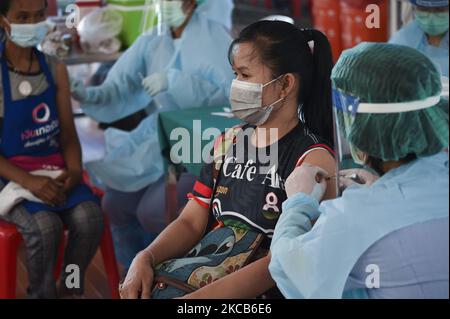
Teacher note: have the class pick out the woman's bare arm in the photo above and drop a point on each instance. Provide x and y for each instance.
(44, 188)
(175, 241)
(181, 235)
(70, 143)
(12, 173)
(324, 160)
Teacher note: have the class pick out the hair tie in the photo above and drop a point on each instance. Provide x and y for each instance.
(308, 34)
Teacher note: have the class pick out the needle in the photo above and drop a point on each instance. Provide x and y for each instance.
(320, 178)
(352, 176)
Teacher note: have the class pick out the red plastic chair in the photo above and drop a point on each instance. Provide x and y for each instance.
(52, 8)
(297, 8)
(10, 239)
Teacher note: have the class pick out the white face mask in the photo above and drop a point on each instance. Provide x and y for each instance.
(28, 35)
(246, 102)
(172, 13)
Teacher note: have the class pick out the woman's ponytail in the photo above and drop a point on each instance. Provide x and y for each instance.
(317, 107)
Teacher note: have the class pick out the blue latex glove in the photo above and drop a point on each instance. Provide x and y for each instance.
(155, 83)
(78, 89)
(351, 177)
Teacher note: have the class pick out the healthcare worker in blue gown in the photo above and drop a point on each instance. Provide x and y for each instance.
(428, 32)
(181, 65)
(388, 235)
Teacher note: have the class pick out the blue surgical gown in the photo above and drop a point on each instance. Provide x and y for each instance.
(199, 75)
(316, 262)
(413, 263)
(412, 35)
(219, 11)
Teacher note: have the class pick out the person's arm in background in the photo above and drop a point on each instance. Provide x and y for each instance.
(44, 188)
(175, 241)
(121, 94)
(70, 143)
(209, 83)
(134, 156)
(199, 74)
(11, 172)
(190, 91)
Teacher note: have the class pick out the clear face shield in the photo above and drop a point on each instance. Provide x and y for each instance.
(151, 17)
(161, 14)
(345, 110)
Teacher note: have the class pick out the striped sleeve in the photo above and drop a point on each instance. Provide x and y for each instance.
(203, 188)
(315, 147)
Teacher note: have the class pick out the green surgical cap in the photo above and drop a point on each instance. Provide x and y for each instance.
(388, 73)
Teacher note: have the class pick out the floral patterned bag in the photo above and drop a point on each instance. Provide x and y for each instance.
(220, 253)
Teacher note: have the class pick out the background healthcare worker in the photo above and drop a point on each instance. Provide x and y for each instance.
(391, 233)
(428, 33)
(183, 66)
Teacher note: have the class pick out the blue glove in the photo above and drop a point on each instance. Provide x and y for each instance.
(78, 89)
(351, 177)
(155, 83)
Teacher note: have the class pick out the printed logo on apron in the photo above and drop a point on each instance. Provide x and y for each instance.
(41, 113)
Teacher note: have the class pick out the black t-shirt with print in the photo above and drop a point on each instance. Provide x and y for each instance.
(250, 189)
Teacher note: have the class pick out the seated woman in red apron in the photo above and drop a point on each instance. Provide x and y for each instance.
(37, 133)
(283, 94)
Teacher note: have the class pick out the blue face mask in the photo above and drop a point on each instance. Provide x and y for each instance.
(433, 24)
(28, 35)
(172, 13)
